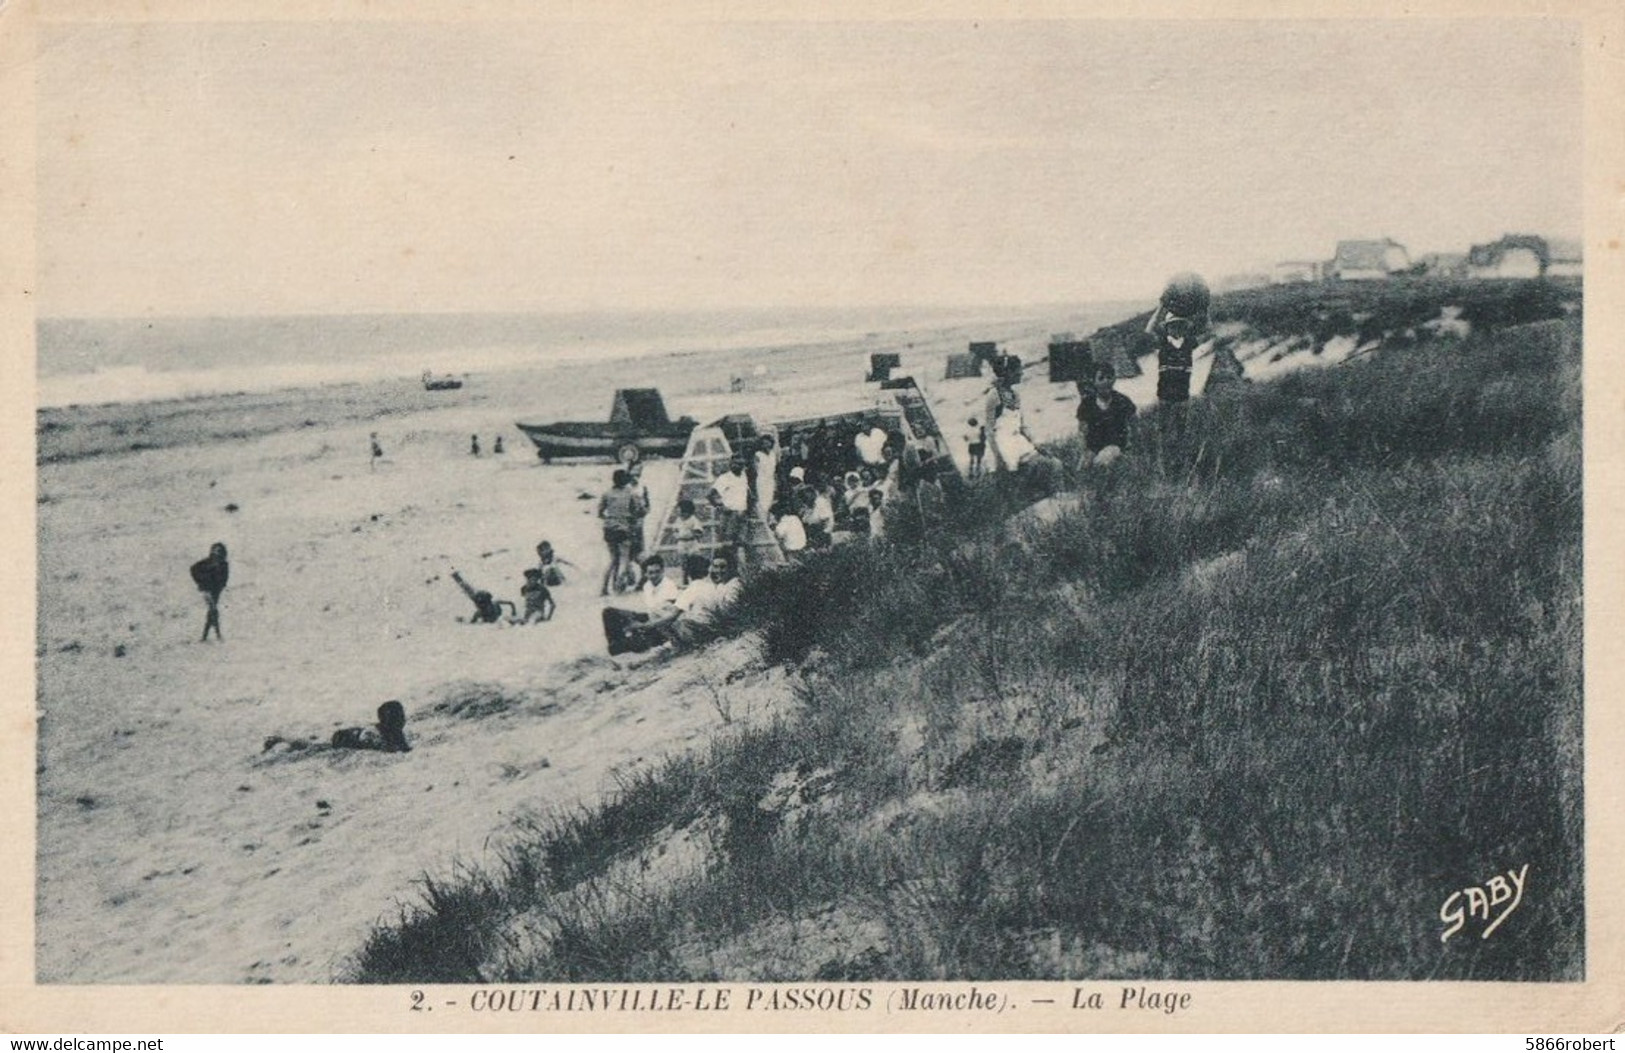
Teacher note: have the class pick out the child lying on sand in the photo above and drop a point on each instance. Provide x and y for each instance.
(487, 611)
(387, 736)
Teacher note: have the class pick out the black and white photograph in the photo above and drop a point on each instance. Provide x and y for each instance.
(876, 518)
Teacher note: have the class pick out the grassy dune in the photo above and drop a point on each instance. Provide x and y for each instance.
(1251, 706)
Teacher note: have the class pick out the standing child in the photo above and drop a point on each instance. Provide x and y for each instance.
(976, 445)
(690, 529)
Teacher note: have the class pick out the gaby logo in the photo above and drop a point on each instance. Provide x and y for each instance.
(1497, 897)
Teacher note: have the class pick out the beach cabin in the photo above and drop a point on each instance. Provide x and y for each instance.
(1070, 360)
(881, 364)
(963, 366)
(1369, 260)
(1513, 256)
(984, 350)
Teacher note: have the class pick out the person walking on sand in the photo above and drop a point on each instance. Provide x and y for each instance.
(377, 452)
(496, 447)
(210, 576)
(474, 445)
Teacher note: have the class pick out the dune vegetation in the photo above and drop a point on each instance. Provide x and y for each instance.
(1250, 704)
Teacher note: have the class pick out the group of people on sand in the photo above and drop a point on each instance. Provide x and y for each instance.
(536, 593)
(376, 448)
(1004, 445)
(835, 485)
(828, 484)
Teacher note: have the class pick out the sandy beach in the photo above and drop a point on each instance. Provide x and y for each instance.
(171, 847)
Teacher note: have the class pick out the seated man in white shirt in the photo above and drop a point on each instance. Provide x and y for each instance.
(703, 602)
(632, 629)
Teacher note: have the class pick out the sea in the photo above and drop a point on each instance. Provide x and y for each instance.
(91, 361)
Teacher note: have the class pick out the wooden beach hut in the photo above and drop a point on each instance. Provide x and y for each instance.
(984, 350)
(1070, 360)
(881, 363)
(962, 366)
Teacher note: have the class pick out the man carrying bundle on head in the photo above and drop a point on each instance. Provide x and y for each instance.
(1177, 327)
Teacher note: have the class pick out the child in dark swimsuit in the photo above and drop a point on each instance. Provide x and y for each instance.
(539, 605)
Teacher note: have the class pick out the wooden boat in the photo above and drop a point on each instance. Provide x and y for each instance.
(637, 428)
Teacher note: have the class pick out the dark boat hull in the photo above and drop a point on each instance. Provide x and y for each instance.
(594, 439)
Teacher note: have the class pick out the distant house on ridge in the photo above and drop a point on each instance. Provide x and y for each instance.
(1514, 256)
(1369, 260)
(1288, 271)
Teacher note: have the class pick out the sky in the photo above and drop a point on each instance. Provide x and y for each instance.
(264, 168)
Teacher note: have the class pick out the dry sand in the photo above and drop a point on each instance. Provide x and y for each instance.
(171, 848)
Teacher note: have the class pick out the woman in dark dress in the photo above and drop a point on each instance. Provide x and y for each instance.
(210, 575)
